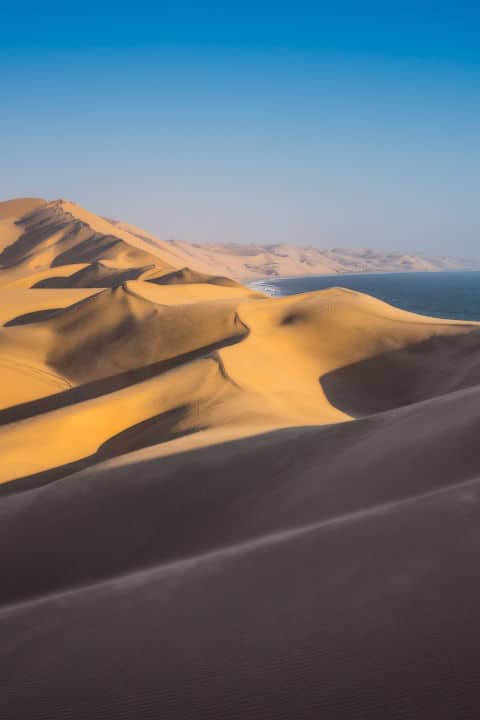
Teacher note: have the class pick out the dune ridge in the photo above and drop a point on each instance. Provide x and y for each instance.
(219, 504)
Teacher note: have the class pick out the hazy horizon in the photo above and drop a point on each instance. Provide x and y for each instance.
(252, 123)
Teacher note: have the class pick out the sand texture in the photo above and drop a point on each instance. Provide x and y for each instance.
(215, 504)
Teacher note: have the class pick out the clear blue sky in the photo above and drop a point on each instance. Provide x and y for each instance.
(333, 124)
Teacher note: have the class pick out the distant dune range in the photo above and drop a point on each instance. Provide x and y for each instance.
(217, 504)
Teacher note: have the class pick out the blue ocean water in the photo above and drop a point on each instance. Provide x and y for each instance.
(454, 295)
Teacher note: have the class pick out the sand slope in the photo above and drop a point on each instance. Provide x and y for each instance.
(217, 504)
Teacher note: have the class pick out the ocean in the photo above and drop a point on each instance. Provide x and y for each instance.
(454, 295)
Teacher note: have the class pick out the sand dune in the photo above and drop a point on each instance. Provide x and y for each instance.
(217, 504)
(277, 358)
(58, 234)
(188, 276)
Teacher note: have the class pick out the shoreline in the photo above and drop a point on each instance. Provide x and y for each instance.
(276, 278)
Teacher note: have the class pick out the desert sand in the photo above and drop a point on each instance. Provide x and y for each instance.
(251, 261)
(216, 504)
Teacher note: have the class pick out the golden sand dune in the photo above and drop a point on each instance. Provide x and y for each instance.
(217, 504)
(188, 276)
(60, 233)
(282, 362)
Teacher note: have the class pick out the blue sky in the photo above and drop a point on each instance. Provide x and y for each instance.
(331, 124)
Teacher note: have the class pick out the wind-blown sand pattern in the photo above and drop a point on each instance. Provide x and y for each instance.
(217, 504)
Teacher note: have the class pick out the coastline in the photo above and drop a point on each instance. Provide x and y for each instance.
(360, 273)
(259, 284)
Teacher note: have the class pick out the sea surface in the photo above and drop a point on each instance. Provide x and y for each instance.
(454, 295)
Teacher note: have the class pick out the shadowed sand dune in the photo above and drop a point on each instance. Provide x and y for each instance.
(186, 275)
(221, 505)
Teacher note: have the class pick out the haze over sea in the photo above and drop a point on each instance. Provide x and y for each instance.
(454, 295)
